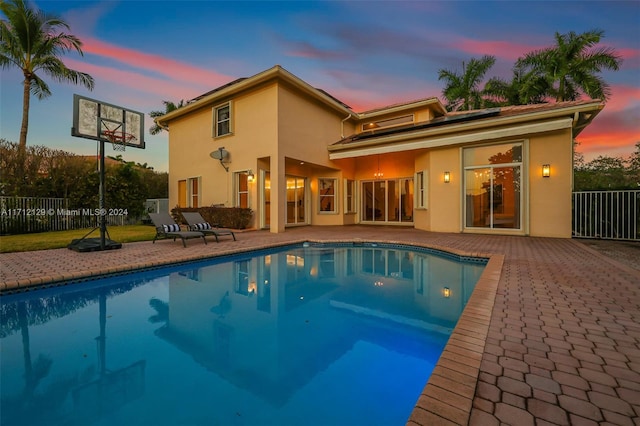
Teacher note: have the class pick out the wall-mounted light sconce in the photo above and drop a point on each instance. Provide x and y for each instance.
(446, 292)
(447, 177)
(546, 170)
(250, 176)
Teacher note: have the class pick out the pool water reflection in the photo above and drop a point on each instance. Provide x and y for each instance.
(299, 335)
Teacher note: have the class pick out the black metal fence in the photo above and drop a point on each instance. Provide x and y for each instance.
(22, 215)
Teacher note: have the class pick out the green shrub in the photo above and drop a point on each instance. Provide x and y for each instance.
(225, 217)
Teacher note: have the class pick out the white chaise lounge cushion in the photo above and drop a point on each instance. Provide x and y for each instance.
(171, 228)
(201, 226)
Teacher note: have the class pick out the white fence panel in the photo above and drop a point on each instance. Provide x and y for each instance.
(611, 215)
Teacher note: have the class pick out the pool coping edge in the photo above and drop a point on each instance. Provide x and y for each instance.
(448, 395)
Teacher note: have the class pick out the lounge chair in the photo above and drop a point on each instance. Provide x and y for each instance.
(166, 227)
(196, 222)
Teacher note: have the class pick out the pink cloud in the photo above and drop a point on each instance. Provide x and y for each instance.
(175, 70)
(363, 92)
(623, 97)
(501, 49)
(618, 143)
(612, 133)
(628, 53)
(163, 88)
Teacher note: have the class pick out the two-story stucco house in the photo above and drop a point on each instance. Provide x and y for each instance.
(296, 156)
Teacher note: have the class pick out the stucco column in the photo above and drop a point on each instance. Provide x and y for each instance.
(278, 194)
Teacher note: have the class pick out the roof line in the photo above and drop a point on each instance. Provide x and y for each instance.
(238, 85)
(492, 120)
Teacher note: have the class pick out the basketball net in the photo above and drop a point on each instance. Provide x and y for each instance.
(118, 139)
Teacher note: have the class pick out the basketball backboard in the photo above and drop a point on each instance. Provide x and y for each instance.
(92, 118)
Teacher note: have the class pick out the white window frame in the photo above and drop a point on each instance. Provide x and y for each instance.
(350, 200)
(217, 122)
(191, 194)
(334, 196)
(237, 188)
(421, 180)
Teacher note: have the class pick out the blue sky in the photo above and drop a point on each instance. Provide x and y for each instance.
(366, 53)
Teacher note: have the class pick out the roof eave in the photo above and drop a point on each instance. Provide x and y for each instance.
(272, 73)
(576, 111)
(399, 108)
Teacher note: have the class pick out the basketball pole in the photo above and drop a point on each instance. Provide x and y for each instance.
(103, 217)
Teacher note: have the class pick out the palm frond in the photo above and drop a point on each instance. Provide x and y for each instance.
(33, 41)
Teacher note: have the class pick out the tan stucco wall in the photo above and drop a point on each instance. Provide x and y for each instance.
(271, 123)
(550, 198)
(546, 203)
(444, 198)
(422, 216)
(189, 146)
(306, 128)
(254, 118)
(423, 114)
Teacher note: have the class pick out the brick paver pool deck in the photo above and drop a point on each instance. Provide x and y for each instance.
(550, 336)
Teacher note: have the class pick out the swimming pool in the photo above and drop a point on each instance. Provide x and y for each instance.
(312, 334)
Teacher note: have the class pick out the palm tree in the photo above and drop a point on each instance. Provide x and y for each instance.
(168, 107)
(523, 89)
(461, 90)
(571, 67)
(33, 41)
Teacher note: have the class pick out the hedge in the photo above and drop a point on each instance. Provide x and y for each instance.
(225, 217)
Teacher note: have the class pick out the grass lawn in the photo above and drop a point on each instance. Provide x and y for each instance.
(59, 239)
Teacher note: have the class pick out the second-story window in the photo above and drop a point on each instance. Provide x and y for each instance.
(222, 119)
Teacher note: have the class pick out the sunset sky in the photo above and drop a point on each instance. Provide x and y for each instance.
(366, 53)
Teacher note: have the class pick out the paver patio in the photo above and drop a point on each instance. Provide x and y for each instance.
(550, 336)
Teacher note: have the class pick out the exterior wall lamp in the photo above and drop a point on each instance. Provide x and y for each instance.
(546, 170)
(446, 292)
(250, 176)
(447, 177)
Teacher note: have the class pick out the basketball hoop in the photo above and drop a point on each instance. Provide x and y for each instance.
(118, 139)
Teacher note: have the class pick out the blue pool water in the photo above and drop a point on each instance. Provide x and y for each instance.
(304, 335)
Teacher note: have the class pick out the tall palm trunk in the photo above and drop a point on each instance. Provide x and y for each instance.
(26, 92)
(22, 144)
(561, 91)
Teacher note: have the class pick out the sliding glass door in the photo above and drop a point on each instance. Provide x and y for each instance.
(387, 201)
(296, 206)
(493, 182)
